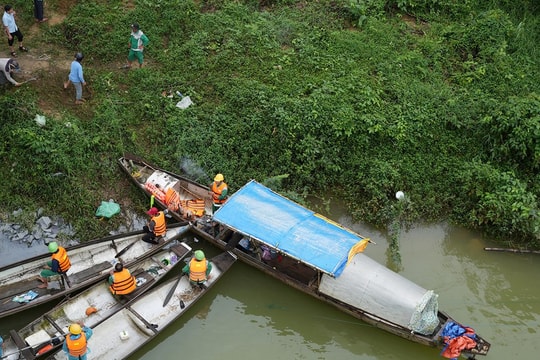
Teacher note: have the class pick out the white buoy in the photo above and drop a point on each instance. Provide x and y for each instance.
(400, 195)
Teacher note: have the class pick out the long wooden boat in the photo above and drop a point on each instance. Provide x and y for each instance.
(319, 257)
(145, 317)
(43, 336)
(195, 199)
(90, 262)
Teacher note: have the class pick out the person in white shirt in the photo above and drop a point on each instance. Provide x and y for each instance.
(12, 30)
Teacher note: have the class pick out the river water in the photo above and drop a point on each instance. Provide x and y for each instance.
(250, 315)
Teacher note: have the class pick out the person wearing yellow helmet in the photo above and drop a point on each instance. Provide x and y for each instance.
(76, 344)
(219, 192)
(198, 268)
(59, 264)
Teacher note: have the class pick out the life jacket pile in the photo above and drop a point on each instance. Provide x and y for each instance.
(155, 190)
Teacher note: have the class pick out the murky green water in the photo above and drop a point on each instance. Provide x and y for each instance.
(252, 316)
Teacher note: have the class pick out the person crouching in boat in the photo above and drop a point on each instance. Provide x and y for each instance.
(121, 280)
(59, 264)
(76, 344)
(198, 268)
(156, 227)
(219, 192)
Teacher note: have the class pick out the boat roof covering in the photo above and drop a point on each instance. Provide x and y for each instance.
(282, 224)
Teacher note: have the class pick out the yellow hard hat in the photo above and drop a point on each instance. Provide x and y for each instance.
(75, 329)
(219, 177)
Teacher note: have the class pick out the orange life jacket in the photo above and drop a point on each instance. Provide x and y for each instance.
(161, 226)
(197, 270)
(172, 200)
(62, 257)
(156, 191)
(124, 283)
(216, 192)
(193, 207)
(76, 347)
(45, 349)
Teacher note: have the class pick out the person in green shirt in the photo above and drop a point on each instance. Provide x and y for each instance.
(137, 42)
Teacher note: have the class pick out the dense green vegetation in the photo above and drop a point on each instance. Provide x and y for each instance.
(439, 99)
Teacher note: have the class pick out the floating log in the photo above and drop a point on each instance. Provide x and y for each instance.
(521, 251)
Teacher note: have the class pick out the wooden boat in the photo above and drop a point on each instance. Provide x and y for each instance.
(43, 336)
(195, 199)
(283, 239)
(144, 317)
(90, 262)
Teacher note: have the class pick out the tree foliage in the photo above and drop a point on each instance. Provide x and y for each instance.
(365, 97)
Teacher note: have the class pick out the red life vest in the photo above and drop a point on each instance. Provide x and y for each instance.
(62, 257)
(76, 347)
(124, 283)
(197, 270)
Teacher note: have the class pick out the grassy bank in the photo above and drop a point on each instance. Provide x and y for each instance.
(362, 98)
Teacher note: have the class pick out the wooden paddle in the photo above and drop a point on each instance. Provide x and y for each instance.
(171, 292)
(123, 251)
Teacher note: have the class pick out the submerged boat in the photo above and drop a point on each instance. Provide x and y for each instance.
(146, 316)
(90, 262)
(45, 335)
(325, 260)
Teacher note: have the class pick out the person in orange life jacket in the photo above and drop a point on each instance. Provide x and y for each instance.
(219, 192)
(121, 280)
(76, 344)
(156, 227)
(59, 264)
(198, 268)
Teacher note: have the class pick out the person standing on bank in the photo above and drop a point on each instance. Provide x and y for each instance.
(38, 11)
(77, 78)
(76, 344)
(137, 42)
(12, 30)
(156, 227)
(8, 66)
(219, 192)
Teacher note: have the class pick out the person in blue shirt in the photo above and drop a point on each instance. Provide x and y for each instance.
(76, 77)
(76, 344)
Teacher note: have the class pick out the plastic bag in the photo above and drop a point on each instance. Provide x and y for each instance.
(107, 209)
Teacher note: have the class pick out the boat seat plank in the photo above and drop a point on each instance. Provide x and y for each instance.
(179, 250)
(54, 324)
(86, 274)
(21, 344)
(150, 280)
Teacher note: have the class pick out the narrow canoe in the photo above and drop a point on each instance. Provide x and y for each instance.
(43, 336)
(145, 317)
(90, 262)
(195, 199)
(373, 299)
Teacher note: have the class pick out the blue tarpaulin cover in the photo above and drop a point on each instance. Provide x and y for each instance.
(270, 218)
